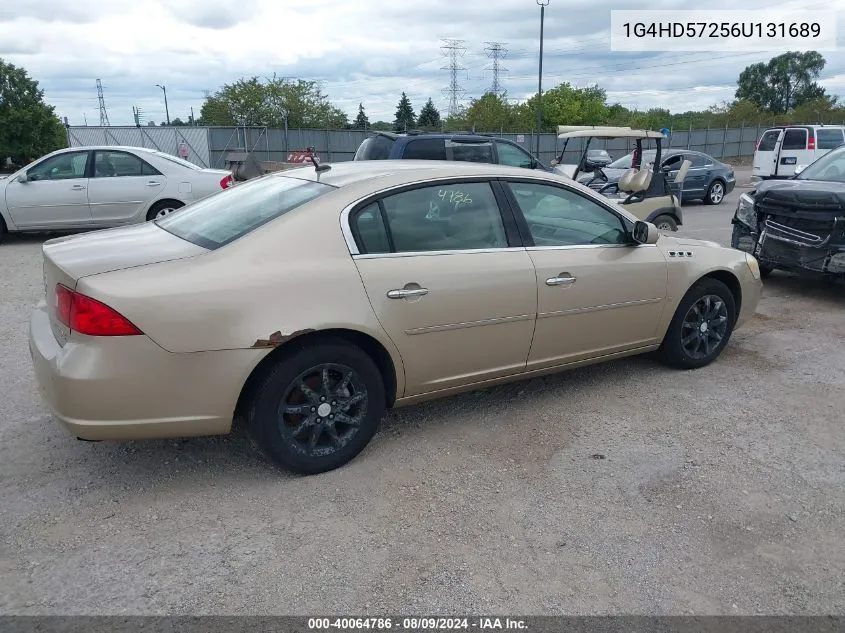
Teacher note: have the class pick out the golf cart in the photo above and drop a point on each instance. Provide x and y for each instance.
(638, 191)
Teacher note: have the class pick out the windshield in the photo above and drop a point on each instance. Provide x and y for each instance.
(225, 216)
(375, 148)
(178, 161)
(830, 167)
(625, 161)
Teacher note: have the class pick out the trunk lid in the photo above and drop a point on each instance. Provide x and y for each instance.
(68, 259)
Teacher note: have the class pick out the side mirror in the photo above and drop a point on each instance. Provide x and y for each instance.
(645, 233)
(799, 169)
(23, 177)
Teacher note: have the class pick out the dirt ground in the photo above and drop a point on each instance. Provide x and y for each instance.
(621, 488)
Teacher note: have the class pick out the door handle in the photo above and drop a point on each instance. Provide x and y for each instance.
(153, 183)
(565, 279)
(405, 293)
(78, 188)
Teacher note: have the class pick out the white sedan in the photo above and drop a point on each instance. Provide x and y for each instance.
(99, 187)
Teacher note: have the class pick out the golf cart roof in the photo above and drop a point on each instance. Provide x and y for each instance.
(598, 131)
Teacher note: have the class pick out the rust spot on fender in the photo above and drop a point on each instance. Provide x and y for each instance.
(277, 338)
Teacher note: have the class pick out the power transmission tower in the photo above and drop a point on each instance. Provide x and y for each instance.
(104, 116)
(138, 115)
(454, 49)
(496, 51)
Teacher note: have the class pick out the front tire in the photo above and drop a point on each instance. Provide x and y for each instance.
(318, 407)
(701, 327)
(765, 271)
(715, 193)
(3, 229)
(163, 208)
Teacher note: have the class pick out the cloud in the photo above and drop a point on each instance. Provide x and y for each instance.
(365, 51)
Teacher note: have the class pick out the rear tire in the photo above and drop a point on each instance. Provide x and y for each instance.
(163, 208)
(3, 229)
(318, 407)
(765, 271)
(701, 327)
(665, 223)
(715, 193)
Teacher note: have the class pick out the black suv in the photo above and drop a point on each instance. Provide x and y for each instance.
(478, 148)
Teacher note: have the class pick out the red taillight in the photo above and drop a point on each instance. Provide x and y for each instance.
(811, 142)
(88, 316)
(227, 182)
(757, 144)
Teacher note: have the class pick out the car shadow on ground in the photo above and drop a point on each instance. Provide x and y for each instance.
(781, 283)
(204, 461)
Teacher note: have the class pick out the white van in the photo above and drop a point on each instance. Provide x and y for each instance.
(781, 149)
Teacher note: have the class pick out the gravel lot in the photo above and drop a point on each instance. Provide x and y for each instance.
(720, 491)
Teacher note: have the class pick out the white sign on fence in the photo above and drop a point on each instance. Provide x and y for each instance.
(520, 138)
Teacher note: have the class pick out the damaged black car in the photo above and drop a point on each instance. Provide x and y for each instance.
(797, 224)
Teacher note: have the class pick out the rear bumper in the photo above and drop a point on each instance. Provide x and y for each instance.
(121, 388)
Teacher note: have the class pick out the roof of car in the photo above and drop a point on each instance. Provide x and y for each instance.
(349, 172)
(434, 135)
(85, 148)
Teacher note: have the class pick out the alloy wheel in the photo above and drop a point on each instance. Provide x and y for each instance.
(705, 326)
(717, 192)
(322, 409)
(164, 212)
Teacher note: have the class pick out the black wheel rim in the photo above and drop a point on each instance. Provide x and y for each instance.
(704, 327)
(322, 409)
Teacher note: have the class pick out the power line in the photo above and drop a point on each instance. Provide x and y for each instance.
(496, 51)
(454, 49)
(104, 115)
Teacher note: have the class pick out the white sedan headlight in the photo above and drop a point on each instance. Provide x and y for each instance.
(745, 211)
(753, 265)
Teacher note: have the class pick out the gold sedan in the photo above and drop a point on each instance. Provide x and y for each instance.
(312, 300)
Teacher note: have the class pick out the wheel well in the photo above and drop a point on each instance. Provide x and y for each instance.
(364, 342)
(731, 282)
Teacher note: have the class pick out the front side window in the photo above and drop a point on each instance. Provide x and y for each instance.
(425, 149)
(446, 217)
(225, 216)
(830, 167)
(108, 164)
(513, 155)
(795, 139)
(769, 141)
(62, 167)
(828, 139)
(559, 217)
(673, 162)
(473, 152)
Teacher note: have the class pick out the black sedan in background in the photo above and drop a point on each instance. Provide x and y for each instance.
(708, 179)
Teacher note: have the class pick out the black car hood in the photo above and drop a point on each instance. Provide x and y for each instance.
(801, 197)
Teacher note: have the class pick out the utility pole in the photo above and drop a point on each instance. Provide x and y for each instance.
(166, 110)
(454, 49)
(104, 115)
(192, 115)
(543, 4)
(496, 51)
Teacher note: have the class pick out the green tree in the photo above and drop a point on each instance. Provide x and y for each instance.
(382, 126)
(429, 118)
(784, 82)
(489, 113)
(404, 115)
(566, 105)
(29, 127)
(361, 121)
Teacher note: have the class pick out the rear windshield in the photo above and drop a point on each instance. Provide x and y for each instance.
(374, 148)
(225, 216)
(177, 160)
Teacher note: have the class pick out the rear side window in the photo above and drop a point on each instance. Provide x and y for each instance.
(453, 216)
(699, 160)
(426, 149)
(795, 139)
(473, 152)
(828, 139)
(374, 148)
(769, 141)
(225, 216)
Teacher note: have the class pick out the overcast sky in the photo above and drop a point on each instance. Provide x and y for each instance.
(362, 51)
